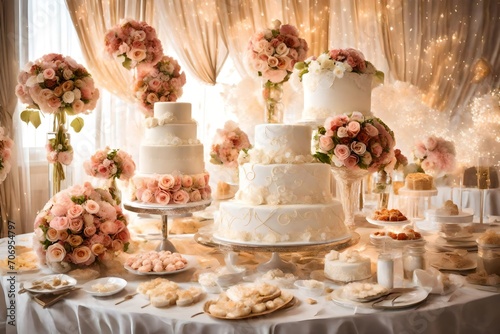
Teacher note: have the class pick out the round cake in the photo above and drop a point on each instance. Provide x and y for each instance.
(348, 266)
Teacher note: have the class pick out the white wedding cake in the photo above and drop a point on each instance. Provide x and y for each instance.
(348, 266)
(284, 195)
(171, 165)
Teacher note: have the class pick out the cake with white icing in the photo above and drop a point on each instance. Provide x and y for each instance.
(348, 266)
(284, 195)
(171, 164)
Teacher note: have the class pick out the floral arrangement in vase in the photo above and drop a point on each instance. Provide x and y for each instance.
(133, 43)
(163, 82)
(59, 86)
(111, 164)
(78, 227)
(272, 53)
(355, 142)
(6, 145)
(227, 144)
(435, 156)
(338, 62)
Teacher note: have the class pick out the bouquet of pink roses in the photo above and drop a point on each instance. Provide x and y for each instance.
(273, 52)
(163, 82)
(355, 142)
(5, 145)
(133, 43)
(227, 144)
(110, 164)
(79, 226)
(435, 155)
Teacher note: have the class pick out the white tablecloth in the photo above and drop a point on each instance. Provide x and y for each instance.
(466, 311)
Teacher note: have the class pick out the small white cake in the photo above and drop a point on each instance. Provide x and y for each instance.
(348, 266)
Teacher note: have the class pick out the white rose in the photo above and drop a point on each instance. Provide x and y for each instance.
(342, 132)
(68, 97)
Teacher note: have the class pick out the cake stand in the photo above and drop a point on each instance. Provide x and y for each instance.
(414, 198)
(165, 211)
(207, 239)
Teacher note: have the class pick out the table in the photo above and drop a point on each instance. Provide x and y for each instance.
(466, 311)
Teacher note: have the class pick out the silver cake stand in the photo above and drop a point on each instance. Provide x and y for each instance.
(165, 211)
(207, 239)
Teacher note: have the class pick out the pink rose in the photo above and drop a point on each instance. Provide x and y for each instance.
(166, 182)
(81, 254)
(137, 55)
(342, 151)
(76, 225)
(195, 196)
(326, 143)
(357, 116)
(89, 230)
(147, 196)
(199, 181)
(333, 122)
(63, 234)
(108, 227)
(371, 130)
(55, 253)
(91, 206)
(363, 137)
(431, 143)
(358, 148)
(107, 211)
(59, 223)
(342, 132)
(59, 209)
(124, 236)
(97, 249)
(187, 181)
(52, 235)
(75, 211)
(162, 197)
(75, 240)
(376, 149)
(180, 197)
(275, 76)
(49, 74)
(353, 128)
(351, 161)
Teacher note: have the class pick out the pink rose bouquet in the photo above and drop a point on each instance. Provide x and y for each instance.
(163, 82)
(355, 142)
(435, 156)
(6, 145)
(273, 52)
(79, 226)
(133, 43)
(227, 144)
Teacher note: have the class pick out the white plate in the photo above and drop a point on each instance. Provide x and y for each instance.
(119, 284)
(456, 244)
(407, 299)
(462, 236)
(71, 282)
(440, 265)
(191, 260)
(462, 217)
(388, 223)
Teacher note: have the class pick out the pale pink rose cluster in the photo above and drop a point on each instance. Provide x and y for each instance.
(162, 82)
(6, 145)
(170, 188)
(56, 83)
(59, 151)
(133, 43)
(227, 144)
(110, 163)
(355, 141)
(80, 225)
(435, 155)
(273, 52)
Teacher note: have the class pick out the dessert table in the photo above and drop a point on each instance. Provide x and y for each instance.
(467, 310)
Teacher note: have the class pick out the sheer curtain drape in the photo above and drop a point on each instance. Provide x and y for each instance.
(12, 204)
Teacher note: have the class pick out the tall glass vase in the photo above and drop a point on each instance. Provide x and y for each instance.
(273, 96)
(349, 182)
(60, 156)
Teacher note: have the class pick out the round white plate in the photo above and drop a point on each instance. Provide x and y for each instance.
(465, 236)
(440, 265)
(462, 217)
(388, 223)
(456, 244)
(407, 299)
(49, 279)
(118, 283)
(191, 260)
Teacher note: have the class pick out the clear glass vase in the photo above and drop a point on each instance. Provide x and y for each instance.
(273, 96)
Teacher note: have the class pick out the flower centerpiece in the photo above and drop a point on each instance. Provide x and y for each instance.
(435, 156)
(163, 82)
(227, 144)
(354, 145)
(133, 43)
(59, 86)
(111, 164)
(78, 227)
(273, 53)
(5, 153)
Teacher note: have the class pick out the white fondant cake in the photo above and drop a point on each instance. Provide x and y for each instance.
(171, 165)
(284, 197)
(348, 266)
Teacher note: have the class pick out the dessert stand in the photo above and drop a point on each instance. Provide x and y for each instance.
(165, 211)
(414, 198)
(207, 239)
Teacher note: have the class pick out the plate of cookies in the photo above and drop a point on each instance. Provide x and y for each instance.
(388, 217)
(159, 263)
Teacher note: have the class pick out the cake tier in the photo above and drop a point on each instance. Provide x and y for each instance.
(171, 134)
(272, 224)
(294, 139)
(175, 112)
(185, 159)
(347, 271)
(419, 181)
(284, 184)
(326, 95)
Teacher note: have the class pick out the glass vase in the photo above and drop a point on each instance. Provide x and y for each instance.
(349, 183)
(59, 155)
(273, 96)
(382, 185)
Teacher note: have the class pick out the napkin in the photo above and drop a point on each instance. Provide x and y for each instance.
(436, 282)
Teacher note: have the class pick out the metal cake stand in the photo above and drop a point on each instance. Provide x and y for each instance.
(207, 239)
(165, 211)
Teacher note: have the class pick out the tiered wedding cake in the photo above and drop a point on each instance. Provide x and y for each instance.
(171, 166)
(284, 195)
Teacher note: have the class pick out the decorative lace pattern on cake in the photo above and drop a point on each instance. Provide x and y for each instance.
(266, 157)
(167, 189)
(170, 140)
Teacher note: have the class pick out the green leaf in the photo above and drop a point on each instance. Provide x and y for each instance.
(77, 124)
(25, 116)
(127, 63)
(324, 158)
(35, 119)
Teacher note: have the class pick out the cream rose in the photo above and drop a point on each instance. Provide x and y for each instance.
(75, 211)
(74, 240)
(55, 253)
(98, 249)
(326, 143)
(81, 254)
(52, 234)
(166, 182)
(91, 206)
